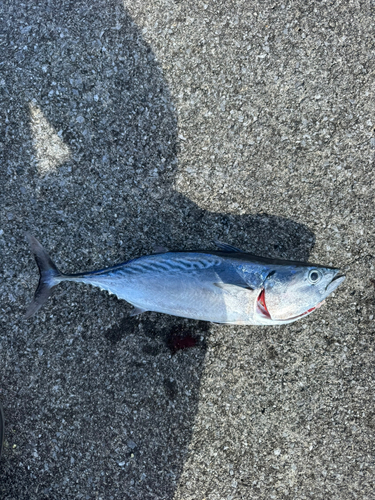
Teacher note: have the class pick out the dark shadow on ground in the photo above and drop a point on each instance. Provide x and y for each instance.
(99, 404)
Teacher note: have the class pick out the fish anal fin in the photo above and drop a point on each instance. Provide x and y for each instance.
(226, 247)
(137, 310)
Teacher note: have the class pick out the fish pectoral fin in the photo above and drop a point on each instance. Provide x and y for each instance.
(226, 247)
(228, 279)
(137, 310)
(230, 288)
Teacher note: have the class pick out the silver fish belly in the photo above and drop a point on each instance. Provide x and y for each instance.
(228, 286)
(182, 284)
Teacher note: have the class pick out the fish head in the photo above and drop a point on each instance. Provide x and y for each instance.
(293, 291)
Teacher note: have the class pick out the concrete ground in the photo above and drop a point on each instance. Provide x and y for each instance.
(130, 125)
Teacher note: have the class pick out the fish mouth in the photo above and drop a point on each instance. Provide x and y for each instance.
(337, 280)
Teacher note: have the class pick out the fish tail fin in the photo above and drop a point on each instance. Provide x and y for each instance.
(50, 276)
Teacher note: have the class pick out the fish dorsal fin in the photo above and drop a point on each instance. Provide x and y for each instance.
(227, 248)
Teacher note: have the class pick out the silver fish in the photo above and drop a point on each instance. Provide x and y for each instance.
(225, 286)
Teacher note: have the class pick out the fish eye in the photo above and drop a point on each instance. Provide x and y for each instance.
(314, 276)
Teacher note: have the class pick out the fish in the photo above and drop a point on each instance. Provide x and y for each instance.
(227, 286)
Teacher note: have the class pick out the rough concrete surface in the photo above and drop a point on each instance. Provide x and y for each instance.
(130, 125)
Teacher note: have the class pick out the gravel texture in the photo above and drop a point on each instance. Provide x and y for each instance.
(125, 126)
